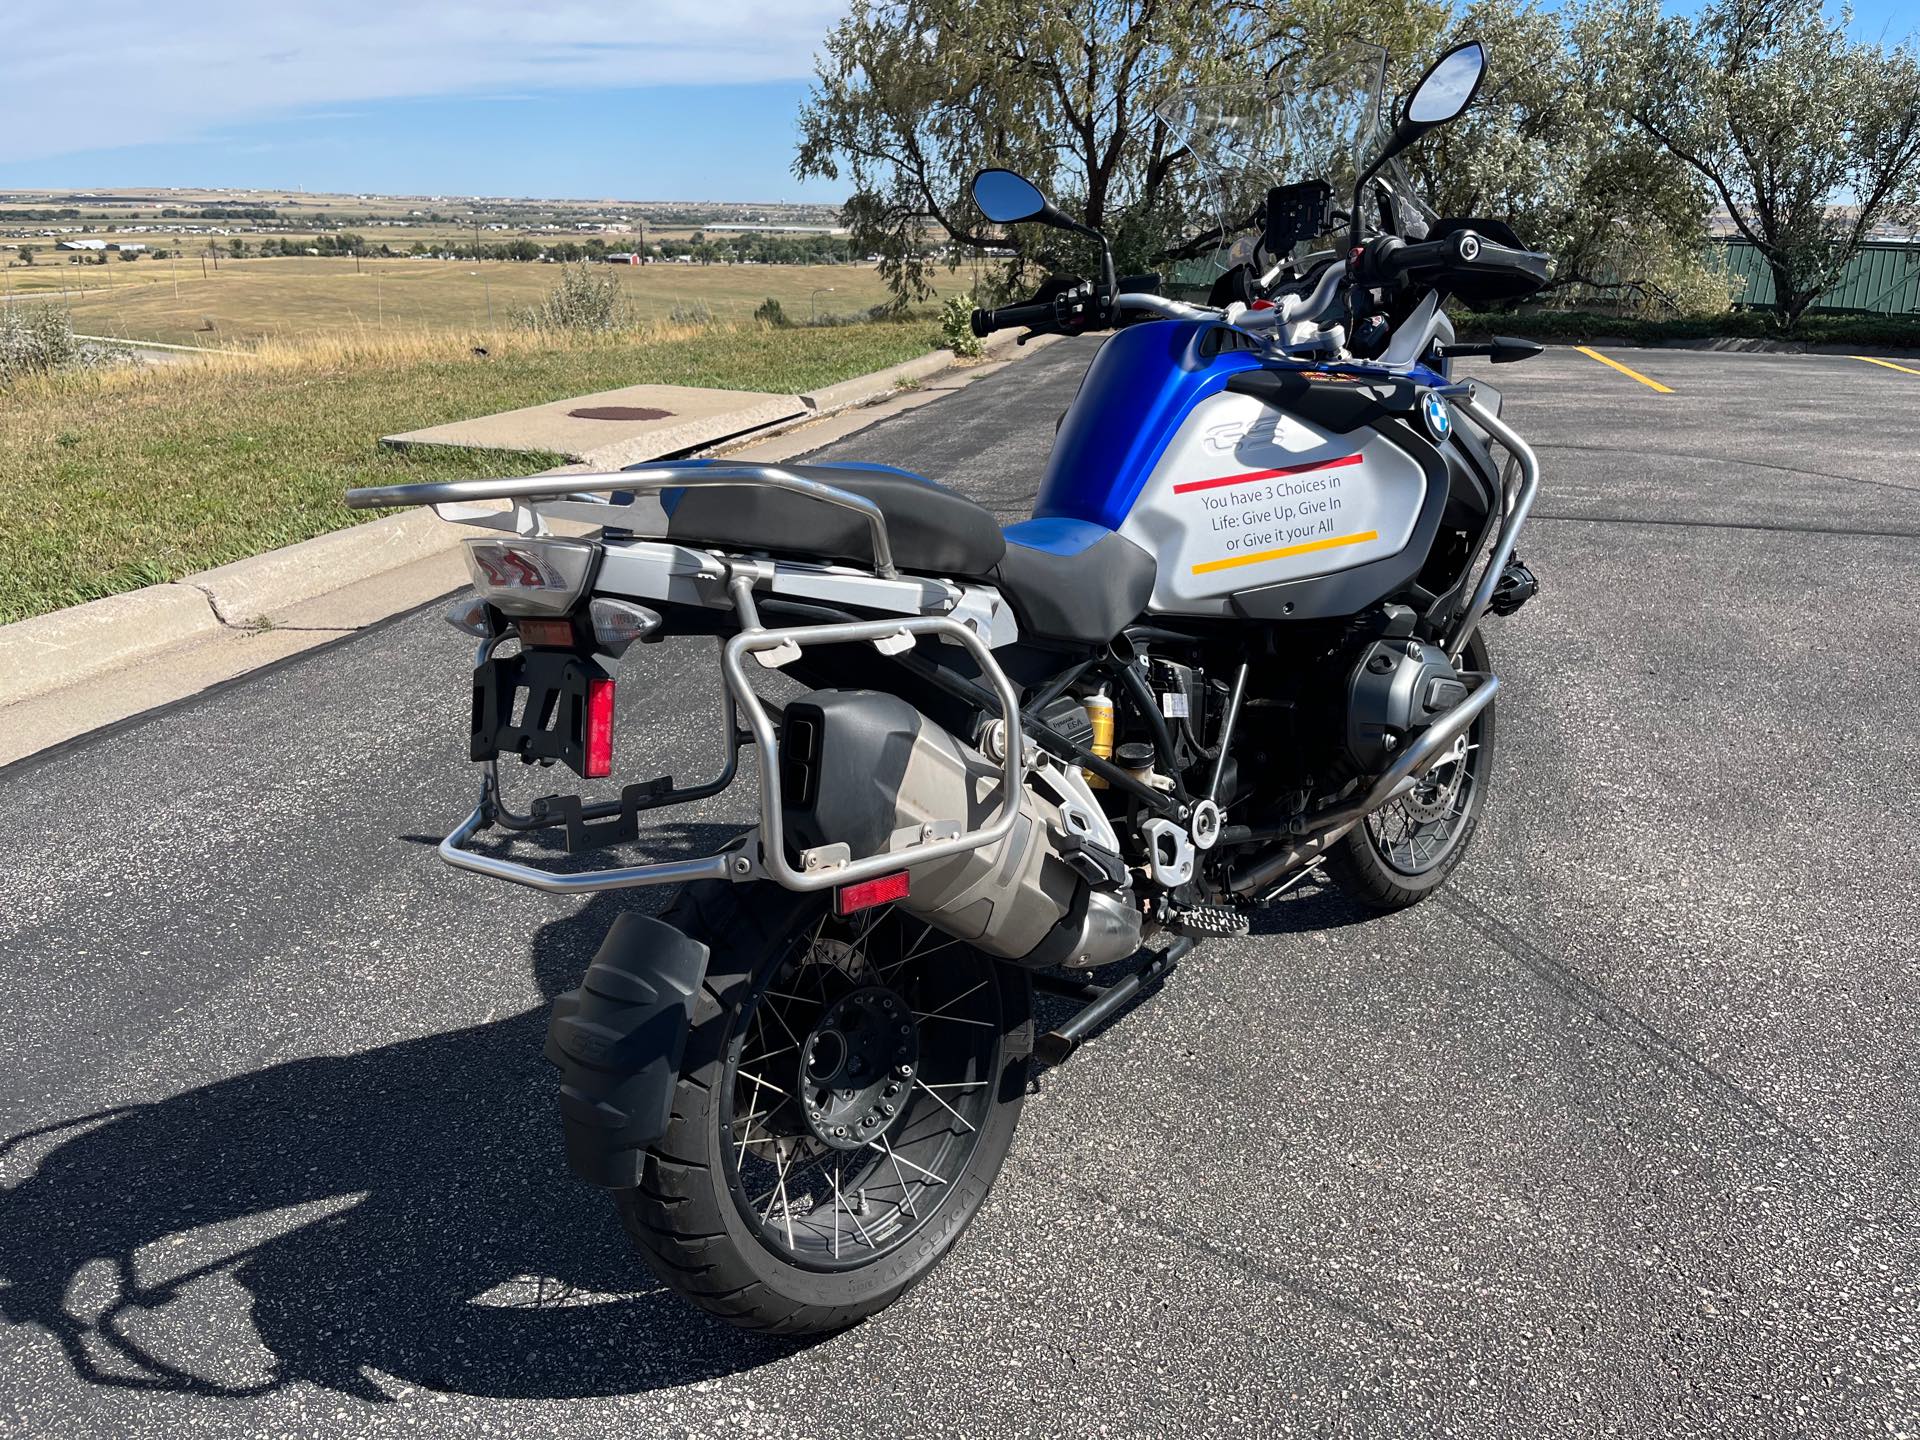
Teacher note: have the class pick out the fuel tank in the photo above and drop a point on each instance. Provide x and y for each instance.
(1269, 490)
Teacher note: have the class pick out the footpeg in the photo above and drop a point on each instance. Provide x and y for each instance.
(1204, 920)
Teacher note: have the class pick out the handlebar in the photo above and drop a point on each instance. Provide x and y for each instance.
(1392, 259)
(1073, 309)
(985, 322)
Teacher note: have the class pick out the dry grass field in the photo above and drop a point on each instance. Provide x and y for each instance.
(174, 302)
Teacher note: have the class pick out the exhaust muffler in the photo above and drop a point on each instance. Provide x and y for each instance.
(865, 769)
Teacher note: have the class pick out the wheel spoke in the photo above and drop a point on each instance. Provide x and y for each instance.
(944, 1105)
(936, 1014)
(899, 1159)
(790, 1182)
(906, 1191)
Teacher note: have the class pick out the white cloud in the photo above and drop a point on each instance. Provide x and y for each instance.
(82, 77)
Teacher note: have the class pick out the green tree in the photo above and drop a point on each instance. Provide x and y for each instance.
(1808, 139)
(909, 99)
(26, 254)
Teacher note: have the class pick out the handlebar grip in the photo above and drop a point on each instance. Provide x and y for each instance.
(985, 322)
(1459, 248)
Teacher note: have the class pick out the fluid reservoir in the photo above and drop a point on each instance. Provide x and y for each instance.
(1100, 716)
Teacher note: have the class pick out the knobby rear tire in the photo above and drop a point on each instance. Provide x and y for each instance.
(684, 1219)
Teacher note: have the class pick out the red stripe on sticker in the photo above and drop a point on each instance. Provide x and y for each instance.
(1248, 477)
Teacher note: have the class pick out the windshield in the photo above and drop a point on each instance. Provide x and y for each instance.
(1313, 118)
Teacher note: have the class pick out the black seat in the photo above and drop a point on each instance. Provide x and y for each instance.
(1073, 580)
(931, 529)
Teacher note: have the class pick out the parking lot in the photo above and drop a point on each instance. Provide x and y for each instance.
(1617, 1136)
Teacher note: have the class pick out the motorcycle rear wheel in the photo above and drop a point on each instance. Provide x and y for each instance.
(848, 1094)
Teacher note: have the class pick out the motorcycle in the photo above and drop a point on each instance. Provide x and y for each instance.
(1239, 642)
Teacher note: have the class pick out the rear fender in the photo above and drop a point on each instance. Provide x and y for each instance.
(618, 1040)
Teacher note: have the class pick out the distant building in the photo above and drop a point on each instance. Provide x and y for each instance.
(625, 257)
(83, 244)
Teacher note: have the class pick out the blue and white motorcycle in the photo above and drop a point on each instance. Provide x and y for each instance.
(1239, 641)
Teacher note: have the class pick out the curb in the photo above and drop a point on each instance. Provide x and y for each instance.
(878, 386)
(881, 384)
(65, 647)
(245, 590)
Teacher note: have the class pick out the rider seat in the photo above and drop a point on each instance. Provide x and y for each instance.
(1073, 580)
(1067, 580)
(930, 529)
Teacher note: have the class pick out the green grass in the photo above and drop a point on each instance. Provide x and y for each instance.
(1891, 332)
(110, 482)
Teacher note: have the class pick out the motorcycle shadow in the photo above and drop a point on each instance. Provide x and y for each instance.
(404, 1212)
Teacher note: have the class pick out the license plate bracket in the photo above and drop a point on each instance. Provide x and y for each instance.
(553, 719)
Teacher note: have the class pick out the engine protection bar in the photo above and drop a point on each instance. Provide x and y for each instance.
(1517, 507)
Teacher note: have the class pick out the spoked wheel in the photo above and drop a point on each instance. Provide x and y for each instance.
(848, 1094)
(1405, 850)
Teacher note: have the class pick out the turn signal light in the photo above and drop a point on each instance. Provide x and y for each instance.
(469, 613)
(599, 736)
(618, 623)
(851, 899)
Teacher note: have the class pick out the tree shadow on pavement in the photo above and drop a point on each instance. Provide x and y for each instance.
(407, 1210)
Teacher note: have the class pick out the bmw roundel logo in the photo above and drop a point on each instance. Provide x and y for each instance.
(1434, 410)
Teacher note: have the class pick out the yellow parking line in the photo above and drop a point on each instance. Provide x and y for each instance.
(1903, 369)
(1631, 374)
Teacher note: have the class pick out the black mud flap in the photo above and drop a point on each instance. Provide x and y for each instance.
(618, 1040)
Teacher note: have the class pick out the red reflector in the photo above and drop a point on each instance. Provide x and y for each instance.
(599, 730)
(850, 899)
(545, 632)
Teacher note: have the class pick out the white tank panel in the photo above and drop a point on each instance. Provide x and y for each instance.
(1247, 495)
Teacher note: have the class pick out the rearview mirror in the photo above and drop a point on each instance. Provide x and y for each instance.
(1449, 87)
(1444, 92)
(1004, 197)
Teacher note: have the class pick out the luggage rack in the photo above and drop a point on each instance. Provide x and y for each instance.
(579, 497)
(574, 497)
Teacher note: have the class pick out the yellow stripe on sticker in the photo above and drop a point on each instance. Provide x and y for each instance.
(1333, 542)
(1626, 370)
(1903, 369)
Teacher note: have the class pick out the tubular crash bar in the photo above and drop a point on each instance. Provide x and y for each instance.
(1510, 527)
(642, 479)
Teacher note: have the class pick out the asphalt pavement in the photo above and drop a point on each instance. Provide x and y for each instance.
(1617, 1136)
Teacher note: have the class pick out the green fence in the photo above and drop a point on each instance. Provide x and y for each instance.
(1883, 279)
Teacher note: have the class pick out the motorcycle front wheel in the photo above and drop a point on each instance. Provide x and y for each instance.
(848, 1094)
(1405, 850)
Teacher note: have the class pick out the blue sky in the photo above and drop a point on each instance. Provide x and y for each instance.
(665, 99)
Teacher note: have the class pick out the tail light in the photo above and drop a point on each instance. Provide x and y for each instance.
(531, 576)
(599, 730)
